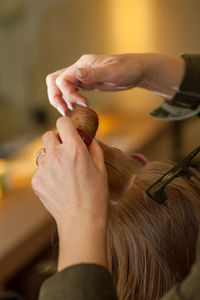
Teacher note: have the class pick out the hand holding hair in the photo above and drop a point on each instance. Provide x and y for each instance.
(71, 181)
(159, 73)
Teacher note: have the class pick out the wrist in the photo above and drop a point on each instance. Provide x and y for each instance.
(68, 223)
(82, 241)
(162, 74)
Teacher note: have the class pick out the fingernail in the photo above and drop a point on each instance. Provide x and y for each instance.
(82, 73)
(82, 104)
(59, 109)
(68, 103)
(70, 106)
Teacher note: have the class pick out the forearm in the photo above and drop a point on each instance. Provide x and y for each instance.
(82, 242)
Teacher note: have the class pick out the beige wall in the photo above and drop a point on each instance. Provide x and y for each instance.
(39, 37)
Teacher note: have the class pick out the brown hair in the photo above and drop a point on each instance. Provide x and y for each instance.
(151, 246)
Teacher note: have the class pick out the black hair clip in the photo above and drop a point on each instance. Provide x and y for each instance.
(157, 190)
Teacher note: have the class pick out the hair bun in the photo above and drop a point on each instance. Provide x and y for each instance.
(86, 122)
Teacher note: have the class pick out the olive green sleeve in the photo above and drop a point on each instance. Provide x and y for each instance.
(189, 289)
(79, 282)
(90, 281)
(186, 102)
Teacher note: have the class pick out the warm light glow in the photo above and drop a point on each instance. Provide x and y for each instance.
(107, 124)
(131, 25)
(132, 31)
(22, 167)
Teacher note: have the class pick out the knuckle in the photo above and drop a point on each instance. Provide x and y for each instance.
(49, 78)
(86, 56)
(59, 80)
(46, 135)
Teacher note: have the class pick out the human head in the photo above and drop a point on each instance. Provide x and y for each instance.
(151, 246)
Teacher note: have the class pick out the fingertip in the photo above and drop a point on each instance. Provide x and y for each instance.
(82, 103)
(60, 121)
(76, 98)
(58, 103)
(67, 131)
(48, 78)
(70, 105)
(61, 111)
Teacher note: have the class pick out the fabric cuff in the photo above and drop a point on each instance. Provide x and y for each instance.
(186, 102)
(169, 112)
(82, 281)
(191, 80)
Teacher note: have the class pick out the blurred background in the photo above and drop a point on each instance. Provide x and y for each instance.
(40, 37)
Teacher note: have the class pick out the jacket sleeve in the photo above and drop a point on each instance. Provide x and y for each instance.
(90, 281)
(189, 289)
(79, 282)
(186, 102)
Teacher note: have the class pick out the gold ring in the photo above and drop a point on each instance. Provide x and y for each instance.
(38, 153)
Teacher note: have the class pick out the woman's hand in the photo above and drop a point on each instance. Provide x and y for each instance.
(159, 73)
(71, 181)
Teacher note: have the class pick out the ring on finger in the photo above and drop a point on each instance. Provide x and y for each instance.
(41, 151)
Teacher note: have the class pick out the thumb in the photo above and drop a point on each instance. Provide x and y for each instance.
(97, 155)
(92, 75)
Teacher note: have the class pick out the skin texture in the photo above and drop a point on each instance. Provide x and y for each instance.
(159, 73)
(73, 197)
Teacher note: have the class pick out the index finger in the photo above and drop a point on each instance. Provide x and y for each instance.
(54, 93)
(67, 131)
(68, 84)
(50, 140)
